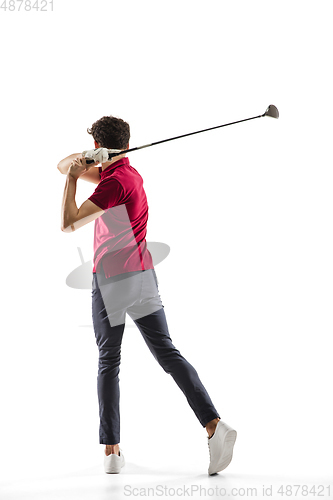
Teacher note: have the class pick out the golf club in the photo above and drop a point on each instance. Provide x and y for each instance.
(271, 111)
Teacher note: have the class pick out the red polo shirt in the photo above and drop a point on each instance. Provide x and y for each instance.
(120, 233)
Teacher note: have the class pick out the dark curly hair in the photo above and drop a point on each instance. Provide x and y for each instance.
(110, 132)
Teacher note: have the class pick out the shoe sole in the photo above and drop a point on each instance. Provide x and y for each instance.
(228, 447)
(113, 470)
(114, 467)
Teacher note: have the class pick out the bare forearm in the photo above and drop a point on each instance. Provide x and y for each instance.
(69, 209)
(64, 164)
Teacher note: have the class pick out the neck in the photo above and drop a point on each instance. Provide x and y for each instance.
(114, 159)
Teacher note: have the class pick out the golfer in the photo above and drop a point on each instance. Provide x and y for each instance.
(124, 282)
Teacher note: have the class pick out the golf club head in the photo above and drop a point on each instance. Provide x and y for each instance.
(272, 111)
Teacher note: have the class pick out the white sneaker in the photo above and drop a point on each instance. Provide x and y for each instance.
(221, 446)
(113, 463)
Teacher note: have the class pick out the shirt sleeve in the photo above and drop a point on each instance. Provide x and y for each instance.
(109, 193)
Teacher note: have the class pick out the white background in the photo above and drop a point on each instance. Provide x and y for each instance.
(246, 211)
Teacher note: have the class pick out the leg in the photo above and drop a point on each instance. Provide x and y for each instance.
(112, 449)
(108, 340)
(211, 426)
(154, 330)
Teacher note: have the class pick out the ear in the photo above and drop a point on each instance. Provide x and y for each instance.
(96, 145)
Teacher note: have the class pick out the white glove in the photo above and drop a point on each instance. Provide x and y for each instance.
(99, 155)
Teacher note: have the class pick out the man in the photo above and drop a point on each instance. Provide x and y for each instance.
(124, 281)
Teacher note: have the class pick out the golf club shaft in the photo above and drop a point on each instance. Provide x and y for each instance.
(111, 155)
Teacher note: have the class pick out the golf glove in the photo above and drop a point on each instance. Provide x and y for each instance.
(99, 155)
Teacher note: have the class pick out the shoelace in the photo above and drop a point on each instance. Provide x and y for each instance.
(210, 457)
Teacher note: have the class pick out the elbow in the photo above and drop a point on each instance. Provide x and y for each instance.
(64, 226)
(62, 167)
(68, 229)
(59, 167)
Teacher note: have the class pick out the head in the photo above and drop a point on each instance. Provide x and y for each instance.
(111, 133)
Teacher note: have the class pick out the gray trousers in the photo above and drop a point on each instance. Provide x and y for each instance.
(137, 295)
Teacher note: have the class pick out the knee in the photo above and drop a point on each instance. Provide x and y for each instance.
(109, 359)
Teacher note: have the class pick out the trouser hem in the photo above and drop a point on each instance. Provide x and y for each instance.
(109, 441)
(208, 418)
